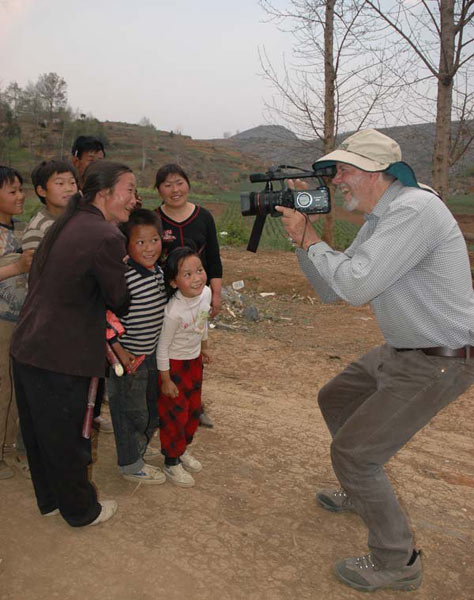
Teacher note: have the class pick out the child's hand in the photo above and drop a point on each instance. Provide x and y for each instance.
(24, 262)
(169, 389)
(206, 357)
(124, 356)
(215, 305)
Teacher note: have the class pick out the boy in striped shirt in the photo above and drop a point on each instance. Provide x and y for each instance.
(54, 181)
(133, 397)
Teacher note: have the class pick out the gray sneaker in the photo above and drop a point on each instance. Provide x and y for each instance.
(363, 574)
(335, 500)
(177, 475)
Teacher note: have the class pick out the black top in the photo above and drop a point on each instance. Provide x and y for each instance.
(201, 230)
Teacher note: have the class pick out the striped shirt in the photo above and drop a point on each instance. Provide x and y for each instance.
(409, 260)
(36, 229)
(145, 316)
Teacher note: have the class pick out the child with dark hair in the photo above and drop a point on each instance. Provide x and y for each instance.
(54, 182)
(86, 150)
(133, 397)
(13, 265)
(182, 349)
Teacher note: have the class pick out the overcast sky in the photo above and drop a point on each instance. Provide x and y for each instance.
(191, 64)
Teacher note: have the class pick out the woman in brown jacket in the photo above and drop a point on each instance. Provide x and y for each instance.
(59, 343)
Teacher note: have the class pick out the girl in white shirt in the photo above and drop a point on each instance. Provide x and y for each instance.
(182, 349)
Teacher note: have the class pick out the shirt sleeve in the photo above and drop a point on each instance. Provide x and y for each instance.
(109, 270)
(399, 242)
(170, 326)
(317, 282)
(213, 257)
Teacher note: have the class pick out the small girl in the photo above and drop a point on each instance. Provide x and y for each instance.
(182, 349)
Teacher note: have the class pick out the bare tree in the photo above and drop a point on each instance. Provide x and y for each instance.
(439, 36)
(148, 138)
(52, 89)
(337, 80)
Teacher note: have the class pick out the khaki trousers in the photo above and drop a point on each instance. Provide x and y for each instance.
(372, 409)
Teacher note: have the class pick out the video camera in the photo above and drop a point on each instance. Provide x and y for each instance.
(263, 203)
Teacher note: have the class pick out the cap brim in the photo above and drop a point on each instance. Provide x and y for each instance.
(400, 170)
(349, 158)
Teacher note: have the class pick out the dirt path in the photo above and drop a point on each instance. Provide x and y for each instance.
(250, 529)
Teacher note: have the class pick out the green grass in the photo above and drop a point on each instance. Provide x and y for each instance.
(461, 205)
(238, 228)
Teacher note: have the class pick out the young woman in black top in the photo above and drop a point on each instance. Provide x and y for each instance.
(184, 221)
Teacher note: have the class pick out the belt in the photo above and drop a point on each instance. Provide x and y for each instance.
(465, 352)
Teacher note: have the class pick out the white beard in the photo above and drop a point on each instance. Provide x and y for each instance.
(351, 204)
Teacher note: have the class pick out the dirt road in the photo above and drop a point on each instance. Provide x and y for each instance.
(250, 529)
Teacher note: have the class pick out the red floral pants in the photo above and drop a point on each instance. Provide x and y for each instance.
(179, 417)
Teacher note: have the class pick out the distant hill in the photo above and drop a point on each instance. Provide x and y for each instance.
(214, 165)
(276, 133)
(416, 142)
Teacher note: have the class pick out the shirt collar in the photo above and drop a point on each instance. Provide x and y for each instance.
(10, 227)
(91, 208)
(385, 200)
(143, 271)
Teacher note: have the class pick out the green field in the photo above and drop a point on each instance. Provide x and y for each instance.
(234, 230)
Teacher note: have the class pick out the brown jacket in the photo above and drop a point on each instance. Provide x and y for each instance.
(61, 327)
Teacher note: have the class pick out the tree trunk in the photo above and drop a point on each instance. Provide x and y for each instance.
(329, 105)
(442, 145)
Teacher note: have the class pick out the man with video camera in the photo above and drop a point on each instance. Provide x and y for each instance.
(409, 260)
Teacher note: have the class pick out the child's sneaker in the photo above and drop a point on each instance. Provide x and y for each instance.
(148, 474)
(190, 463)
(178, 476)
(151, 453)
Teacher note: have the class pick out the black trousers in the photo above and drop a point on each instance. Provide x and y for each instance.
(51, 407)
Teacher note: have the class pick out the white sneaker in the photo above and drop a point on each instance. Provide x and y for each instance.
(190, 463)
(151, 453)
(148, 474)
(178, 476)
(109, 508)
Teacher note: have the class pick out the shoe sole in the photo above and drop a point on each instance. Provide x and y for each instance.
(143, 480)
(403, 586)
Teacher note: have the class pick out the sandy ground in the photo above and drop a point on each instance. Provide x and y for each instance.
(250, 528)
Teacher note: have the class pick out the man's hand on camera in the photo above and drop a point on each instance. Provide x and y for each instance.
(297, 226)
(297, 184)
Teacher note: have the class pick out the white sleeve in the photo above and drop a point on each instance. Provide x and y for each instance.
(170, 326)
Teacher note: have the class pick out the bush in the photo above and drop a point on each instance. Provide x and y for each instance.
(233, 234)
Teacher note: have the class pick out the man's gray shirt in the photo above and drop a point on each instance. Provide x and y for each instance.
(409, 260)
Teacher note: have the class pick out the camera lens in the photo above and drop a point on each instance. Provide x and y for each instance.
(247, 204)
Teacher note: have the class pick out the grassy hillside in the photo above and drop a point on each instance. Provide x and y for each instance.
(145, 149)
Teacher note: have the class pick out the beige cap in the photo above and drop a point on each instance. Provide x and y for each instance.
(368, 150)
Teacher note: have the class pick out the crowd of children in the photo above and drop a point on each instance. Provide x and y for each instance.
(89, 249)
